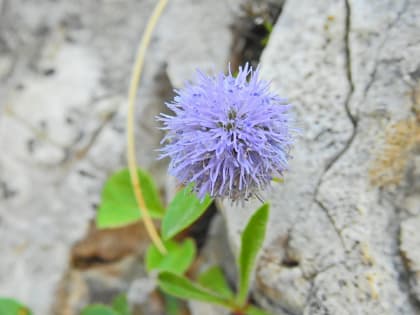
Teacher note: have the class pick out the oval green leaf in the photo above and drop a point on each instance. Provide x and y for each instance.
(13, 307)
(183, 288)
(177, 260)
(183, 210)
(214, 280)
(251, 242)
(98, 309)
(118, 205)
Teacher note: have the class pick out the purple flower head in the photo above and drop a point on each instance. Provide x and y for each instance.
(229, 135)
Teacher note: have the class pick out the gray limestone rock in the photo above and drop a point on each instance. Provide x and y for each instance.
(410, 245)
(351, 70)
(64, 72)
(342, 235)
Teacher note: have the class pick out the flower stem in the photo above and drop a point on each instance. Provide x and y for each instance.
(131, 151)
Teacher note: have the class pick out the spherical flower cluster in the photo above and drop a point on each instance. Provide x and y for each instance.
(229, 135)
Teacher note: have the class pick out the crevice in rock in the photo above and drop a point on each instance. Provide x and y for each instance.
(38, 133)
(349, 76)
(81, 153)
(250, 36)
(382, 45)
(332, 221)
(251, 30)
(405, 273)
(353, 120)
(108, 246)
(199, 229)
(6, 192)
(348, 67)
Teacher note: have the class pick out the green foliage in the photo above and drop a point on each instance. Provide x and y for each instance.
(214, 280)
(183, 288)
(173, 306)
(251, 242)
(269, 28)
(118, 206)
(212, 286)
(13, 307)
(184, 209)
(120, 305)
(252, 310)
(177, 260)
(98, 309)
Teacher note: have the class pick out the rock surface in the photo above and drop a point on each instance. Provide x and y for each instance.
(343, 235)
(410, 239)
(334, 243)
(64, 71)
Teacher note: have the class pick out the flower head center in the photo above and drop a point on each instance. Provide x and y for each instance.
(231, 121)
(232, 114)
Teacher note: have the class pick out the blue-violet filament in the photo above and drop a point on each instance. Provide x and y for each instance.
(229, 135)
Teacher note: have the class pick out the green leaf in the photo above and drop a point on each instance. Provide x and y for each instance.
(98, 309)
(183, 288)
(252, 310)
(173, 305)
(268, 26)
(251, 242)
(214, 279)
(119, 207)
(183, 210)
(177, 260)
(264, 40)
(13, 307)
(120, 305)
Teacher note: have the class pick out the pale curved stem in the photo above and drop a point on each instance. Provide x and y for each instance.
(131, 151)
